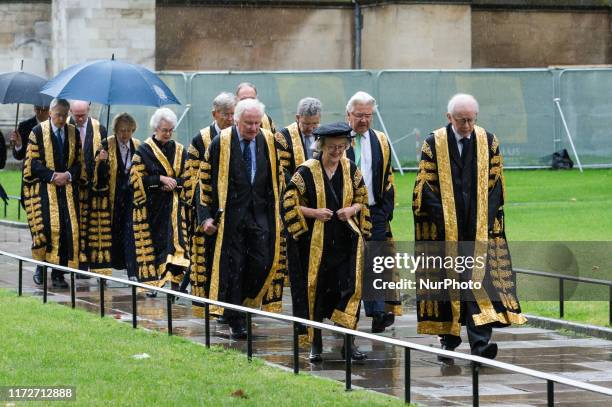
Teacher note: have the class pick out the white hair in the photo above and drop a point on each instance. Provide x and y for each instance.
(248, 104)
(75, 102)
(224, 101)
(309, 107)
(163, 113)
(360, 98)
(462, 99)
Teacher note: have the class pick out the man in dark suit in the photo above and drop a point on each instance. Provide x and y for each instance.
(241, 175)
(372, 154)
(51, 177)
(91, 134)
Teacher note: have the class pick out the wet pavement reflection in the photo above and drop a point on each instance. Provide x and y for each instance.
(433, 384)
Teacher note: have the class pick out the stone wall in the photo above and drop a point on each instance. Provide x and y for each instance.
(253, 38)
(406, 36)
(96, 29)
(539, 38)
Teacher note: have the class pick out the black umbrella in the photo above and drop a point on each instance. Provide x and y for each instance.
(22, 87)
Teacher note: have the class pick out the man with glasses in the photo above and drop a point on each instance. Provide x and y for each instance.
(458, 198)
(372, 154)
(51, 177)
(223, 117)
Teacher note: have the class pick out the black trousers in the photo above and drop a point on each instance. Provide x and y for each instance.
(249, 263)
(479, 336)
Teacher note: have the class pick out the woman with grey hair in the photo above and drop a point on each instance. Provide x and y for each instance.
(158, 176)
(326, 213)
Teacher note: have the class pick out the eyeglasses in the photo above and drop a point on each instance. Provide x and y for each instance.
(226, 115)
(461, 120)
(125, 130)
(166, 131)
(360, 116)
(338, 147)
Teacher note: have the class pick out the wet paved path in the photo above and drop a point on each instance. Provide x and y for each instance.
(579, 358)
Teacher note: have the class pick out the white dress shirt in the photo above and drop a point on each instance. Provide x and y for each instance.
(366, 164)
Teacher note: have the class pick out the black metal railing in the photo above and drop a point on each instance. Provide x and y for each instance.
(477, 361)
(562, 278)
(6, 205)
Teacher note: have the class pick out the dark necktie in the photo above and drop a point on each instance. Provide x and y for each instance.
(465, 142)
(248, 160)
(60, 144)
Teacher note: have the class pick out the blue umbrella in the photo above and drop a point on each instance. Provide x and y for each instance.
(111, 82)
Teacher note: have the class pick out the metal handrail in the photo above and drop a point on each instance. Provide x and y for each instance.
(562, 278)
(348, 333)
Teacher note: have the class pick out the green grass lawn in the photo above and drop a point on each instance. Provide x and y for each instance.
(53, 345)
(11, 181)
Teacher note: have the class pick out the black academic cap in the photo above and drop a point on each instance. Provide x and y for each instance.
(339, 129)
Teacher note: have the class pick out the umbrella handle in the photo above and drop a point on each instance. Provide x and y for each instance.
(16, 124)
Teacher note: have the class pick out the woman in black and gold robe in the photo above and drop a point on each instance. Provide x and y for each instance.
(158, 176)
(326, 212)
(111, 233)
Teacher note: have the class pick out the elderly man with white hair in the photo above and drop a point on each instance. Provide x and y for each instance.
(238, 208)
(372, 153)
(459, 197)
(158, 174)
(91, 134)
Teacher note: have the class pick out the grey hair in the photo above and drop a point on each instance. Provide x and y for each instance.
(248, 104)
(462, 99)
(361, 98)
(74, 102)
(309, 107)
(163, 113)
(244, 85)
(59, 102)
(224, 101)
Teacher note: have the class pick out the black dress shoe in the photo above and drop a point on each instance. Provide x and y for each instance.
(238, 332)
(316, 348)
(60, 283)
(445, 359)
(82, 277)
(38, 277)
(151, 294)
(488, 351)
(388, 319)
(378, 323)
(356, 354)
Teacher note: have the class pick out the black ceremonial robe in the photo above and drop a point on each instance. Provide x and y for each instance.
(322, 289)
(52, 211)
(441, 213)
(160, 228)
(223, 186)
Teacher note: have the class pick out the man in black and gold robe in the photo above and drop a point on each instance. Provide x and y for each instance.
(371, 152)
(223, 115)
(240, 177)
(91, 133)
(158, 175)
(295, 145)
(51, 177)
(458, 199)
(111, 202)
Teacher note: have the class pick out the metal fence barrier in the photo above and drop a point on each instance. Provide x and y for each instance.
(408, 347)
(562, 278)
